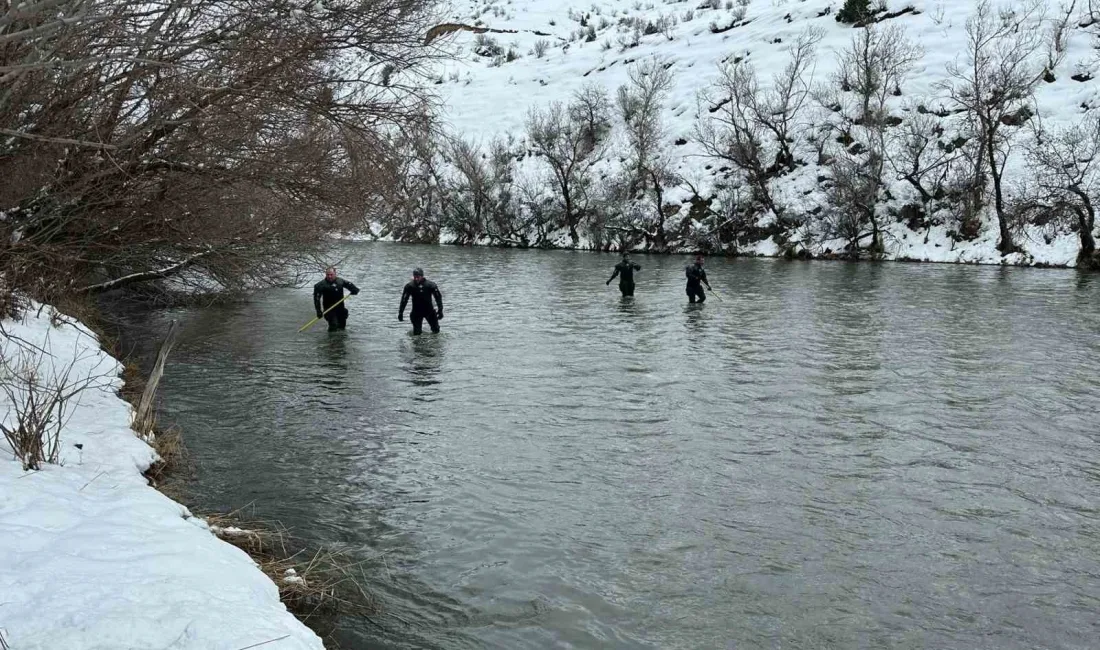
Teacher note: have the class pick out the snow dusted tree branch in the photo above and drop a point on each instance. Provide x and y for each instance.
(145, 276)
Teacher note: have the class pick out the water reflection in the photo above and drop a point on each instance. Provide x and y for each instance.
(423, 361)
(332, 350)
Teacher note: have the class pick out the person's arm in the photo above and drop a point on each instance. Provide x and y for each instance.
(438, 300)
(637, 267)
(317, 300)
(351, 287)
(404, 301)
(703, 277)
(613, 275)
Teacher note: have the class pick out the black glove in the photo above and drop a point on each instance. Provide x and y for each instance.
(319, 314)
(439, 314)
(401, 317)
(608, 283)
(355, 293)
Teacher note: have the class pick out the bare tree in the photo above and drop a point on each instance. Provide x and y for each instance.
(591, 108)
(755, 129)
(871, 69)
(918, 156)
(222, 137)
(648, 171)
(418, 197)
(566, 148)
(994, 85)
(471, 191)
(1065, 181)
(640, 104)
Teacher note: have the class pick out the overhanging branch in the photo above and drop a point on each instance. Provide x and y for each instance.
(145, 276)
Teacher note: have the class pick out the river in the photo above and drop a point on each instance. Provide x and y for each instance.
(831, 455)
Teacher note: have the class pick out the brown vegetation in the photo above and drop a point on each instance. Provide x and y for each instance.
(215, 141)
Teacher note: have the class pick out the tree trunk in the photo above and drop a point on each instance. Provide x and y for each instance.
(1086, 257)
(1005, 245)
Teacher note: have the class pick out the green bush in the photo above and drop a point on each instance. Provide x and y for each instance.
(854, 11)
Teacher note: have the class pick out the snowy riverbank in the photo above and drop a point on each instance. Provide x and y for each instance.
(93, 556)
(903, 244)
(739, 127)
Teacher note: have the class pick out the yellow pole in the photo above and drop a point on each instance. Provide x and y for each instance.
(310, 323)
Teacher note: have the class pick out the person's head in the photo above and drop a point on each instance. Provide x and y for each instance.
(699, 260)
(626, 256)
(330, 273)
(418, 275)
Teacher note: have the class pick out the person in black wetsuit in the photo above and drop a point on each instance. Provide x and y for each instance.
(696, 278)
(625, 271)
(327, 293)
(421, 290)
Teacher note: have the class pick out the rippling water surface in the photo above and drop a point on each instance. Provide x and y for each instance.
(832, 456)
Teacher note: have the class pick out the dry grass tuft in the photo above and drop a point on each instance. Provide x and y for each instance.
(313, 584)
(174, 458)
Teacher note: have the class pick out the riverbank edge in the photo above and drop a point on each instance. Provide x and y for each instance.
(265, 542)
(168, 455)
(981, 253)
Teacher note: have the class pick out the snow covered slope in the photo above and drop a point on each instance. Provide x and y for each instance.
(592, 41)
(92, 556)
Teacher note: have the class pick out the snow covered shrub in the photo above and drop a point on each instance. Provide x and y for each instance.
(665, 25)
(487, 46)
(540, 47)
(632, 37)
(710, 4)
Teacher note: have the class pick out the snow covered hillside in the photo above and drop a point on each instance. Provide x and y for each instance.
(93, 557)
(876, 156)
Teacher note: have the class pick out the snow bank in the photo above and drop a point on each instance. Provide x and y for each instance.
(93, 557)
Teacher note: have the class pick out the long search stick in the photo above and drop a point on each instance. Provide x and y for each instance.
(310, 323)
(715, 293)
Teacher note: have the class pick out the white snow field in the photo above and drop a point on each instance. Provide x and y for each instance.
(483, 98)
(94, 558)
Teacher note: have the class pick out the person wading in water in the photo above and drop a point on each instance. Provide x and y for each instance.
(327, 293)
(696, 278)
(421, 290)
(625, 271)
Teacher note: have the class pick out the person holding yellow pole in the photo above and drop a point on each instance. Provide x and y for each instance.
(329, 294)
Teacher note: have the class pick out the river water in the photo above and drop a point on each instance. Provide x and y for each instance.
(833, 455)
